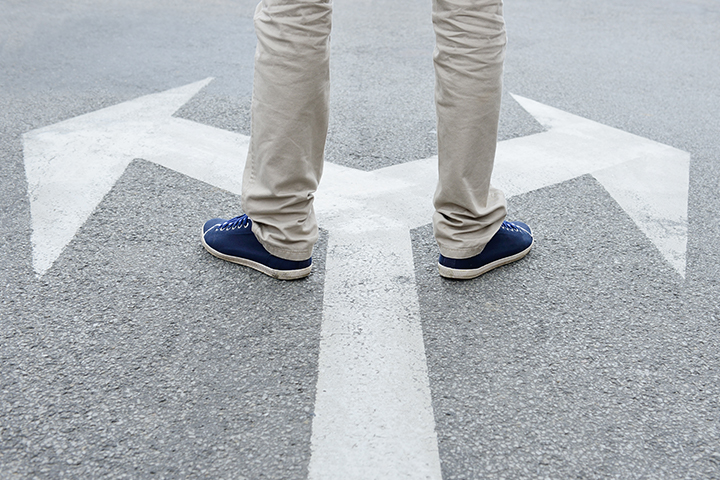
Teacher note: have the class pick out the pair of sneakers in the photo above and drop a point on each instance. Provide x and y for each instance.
(234, 241)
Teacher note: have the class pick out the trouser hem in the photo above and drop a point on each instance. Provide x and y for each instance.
(284, 253)
(460, 253)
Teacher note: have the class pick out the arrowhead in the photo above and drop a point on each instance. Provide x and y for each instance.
(648, 179)
(71, 165)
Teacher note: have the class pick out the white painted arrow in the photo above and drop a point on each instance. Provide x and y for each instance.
(648, 179)
(71, 165)
(373, 414)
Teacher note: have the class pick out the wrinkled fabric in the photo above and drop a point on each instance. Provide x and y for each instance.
(469, 54)
(290, 119)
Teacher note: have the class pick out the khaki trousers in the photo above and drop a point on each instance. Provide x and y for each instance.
(290, 120)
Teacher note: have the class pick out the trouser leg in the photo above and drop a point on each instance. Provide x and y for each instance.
(289, 124)
(469, 54)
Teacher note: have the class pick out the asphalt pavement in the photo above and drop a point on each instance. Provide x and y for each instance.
(138, 355)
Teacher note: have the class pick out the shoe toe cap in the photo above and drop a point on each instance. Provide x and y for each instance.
(522, 226)
(211, 223)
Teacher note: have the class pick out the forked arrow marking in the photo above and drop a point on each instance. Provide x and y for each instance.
(71, 165)
(373, 410)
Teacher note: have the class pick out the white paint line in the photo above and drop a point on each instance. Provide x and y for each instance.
(648, 179)
(373, 413)
(206, 153)
(403, 192)
(654, 193)
(71, 165)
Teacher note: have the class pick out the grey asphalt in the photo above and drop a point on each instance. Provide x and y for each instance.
(140, 356)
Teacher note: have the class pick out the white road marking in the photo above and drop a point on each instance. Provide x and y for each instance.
(71, 165)
(373, 409)
(648, 179)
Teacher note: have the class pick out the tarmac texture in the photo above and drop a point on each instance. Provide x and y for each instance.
(138, 355)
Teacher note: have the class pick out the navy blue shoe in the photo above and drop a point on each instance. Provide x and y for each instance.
(234, 241)
(512, 242)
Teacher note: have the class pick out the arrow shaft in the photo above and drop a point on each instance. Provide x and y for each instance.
(199, 151)
(373, 414)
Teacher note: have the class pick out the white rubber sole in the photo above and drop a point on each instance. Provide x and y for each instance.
(279, 274)
(467, 274)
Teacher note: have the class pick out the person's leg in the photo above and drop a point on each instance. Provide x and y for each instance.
(285, 159)
(469, 54)
(468, 58)
(289, 124)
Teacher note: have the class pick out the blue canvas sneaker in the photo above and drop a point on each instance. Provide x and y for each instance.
(512, 242)
(234, 241)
